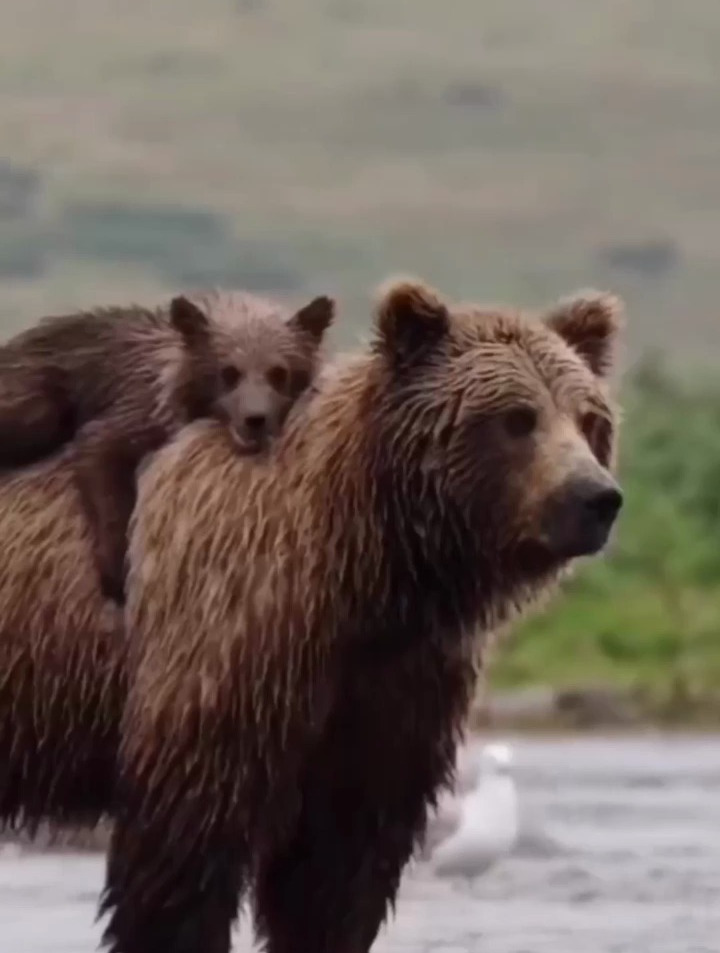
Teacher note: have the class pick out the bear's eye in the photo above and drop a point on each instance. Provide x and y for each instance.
(598, 433)
(230, 376)
(277, 378)
(521, 421)
(300, 381)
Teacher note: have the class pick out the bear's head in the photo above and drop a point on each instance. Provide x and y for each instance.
(502, 424)
(249, 363)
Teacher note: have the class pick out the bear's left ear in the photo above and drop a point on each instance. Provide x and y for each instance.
(189, 320)
(410, 317)
(315, 318)
(590, 322)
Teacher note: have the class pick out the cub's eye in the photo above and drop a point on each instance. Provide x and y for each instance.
(230, 376)
(277, 378)
(300, 381)
(521, 421)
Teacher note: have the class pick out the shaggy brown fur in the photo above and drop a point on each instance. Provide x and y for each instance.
(61, 654)
(124, 380)
(62, 644)
(304, 631)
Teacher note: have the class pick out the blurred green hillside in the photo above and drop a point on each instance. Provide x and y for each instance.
(647, 616)
(509, 150)
(506, 150)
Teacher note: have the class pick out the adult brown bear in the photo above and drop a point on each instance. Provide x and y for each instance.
(304, 633)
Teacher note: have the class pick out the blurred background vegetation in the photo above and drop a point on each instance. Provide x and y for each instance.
(509, 150)
(647, 617)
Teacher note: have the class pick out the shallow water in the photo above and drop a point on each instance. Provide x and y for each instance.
(620, 852)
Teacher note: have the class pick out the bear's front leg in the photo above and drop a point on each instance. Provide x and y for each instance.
(177, 860)
(163, 900)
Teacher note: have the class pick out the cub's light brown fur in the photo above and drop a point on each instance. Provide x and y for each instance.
(61, 643)
(304, 633)
(122, 381)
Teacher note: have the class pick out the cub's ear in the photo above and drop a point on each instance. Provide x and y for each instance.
(410, 317)
(590, 322)
(189, 320)
(315, 318)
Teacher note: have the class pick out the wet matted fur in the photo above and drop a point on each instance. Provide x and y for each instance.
(122, 381)
(61, 642)
(305, 633)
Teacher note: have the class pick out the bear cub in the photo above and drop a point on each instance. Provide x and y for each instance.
(122, 381)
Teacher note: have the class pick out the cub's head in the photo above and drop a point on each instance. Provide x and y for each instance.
(504, 424)
(252, 359)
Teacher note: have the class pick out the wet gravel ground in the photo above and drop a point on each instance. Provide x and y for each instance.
(620, 851)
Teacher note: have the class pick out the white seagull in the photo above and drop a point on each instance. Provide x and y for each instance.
(486, 819)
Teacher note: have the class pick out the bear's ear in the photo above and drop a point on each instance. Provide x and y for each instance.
(315, 318)
(189, 320)
(590, 322)
(410, 317)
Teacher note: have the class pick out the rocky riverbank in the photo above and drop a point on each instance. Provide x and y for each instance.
(594, 707)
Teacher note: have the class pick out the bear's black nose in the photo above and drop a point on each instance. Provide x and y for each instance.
(580, 515)
(604, 504)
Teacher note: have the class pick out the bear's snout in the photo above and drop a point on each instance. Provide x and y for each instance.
(581, 514)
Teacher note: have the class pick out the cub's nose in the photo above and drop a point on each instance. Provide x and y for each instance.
(255, 424)
(603, 503)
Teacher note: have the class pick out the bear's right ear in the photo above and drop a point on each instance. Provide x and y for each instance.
(189, 320)
(590, 322)
(315, 318)
(410, 317)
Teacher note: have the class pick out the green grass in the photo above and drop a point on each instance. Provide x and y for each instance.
(647, 615)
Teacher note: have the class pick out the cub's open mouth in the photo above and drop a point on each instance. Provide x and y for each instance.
(249, 445)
